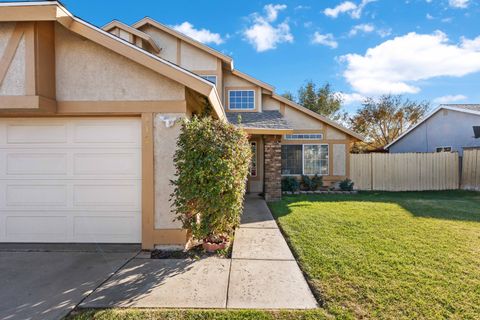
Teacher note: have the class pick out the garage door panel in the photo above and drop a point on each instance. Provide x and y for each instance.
(30, 228)
(70, 180)
(33, 132)
(28, 163)
(102, 228)
(104, 164)
(106, 195)
(98, 131)
(36, 195)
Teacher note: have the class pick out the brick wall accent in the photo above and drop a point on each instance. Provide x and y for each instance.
(273, 168)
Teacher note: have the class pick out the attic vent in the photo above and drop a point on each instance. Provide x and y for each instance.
(476, 131)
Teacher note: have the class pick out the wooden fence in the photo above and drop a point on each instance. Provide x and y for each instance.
(405, 171)
(471, 169)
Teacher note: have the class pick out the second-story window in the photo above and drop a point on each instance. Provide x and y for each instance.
(211, 78)
(241, 99)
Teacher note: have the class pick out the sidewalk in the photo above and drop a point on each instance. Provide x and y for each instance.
(262, 274)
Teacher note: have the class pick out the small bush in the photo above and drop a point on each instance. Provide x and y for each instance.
(290, 184)
(212, 162)
(312, 184)
(346, 185)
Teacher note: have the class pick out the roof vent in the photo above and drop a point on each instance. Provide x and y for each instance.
(476, 131)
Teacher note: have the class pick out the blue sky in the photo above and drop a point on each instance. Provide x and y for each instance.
(424, 49)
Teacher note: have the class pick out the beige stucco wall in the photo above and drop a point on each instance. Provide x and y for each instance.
(164, 148)
(86, 71)
(339, 159)
(334, 134)
(165, 41)
(269, 103)
(192, 58)
(300, 121)
(14, 82)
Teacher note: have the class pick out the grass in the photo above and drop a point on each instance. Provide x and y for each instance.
(138, 314)
(411, 255)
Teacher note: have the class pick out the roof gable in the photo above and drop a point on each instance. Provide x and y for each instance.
(54, 11)
(179, 35)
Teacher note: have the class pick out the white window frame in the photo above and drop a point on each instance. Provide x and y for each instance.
(238, 109)
(210, 75)
(328, 158)
(254, 144)
(303, 159)
(292, 136)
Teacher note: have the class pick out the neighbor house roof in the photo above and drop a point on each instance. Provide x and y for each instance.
(187, 39)
(466, 108)
(54, 11)
(260, 121)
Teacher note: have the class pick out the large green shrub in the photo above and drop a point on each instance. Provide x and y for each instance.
(212, 163)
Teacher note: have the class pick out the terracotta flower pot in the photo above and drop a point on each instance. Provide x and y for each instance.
(212, 246)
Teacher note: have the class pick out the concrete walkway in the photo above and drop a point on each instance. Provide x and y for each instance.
(262, 274)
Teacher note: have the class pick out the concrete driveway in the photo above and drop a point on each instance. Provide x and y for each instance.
(48, 281)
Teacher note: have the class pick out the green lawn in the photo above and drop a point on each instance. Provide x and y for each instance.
(389, 255)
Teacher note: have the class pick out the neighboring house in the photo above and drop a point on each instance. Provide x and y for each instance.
(448, 128)
(88, 131)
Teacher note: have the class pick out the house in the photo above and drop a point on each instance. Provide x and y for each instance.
(448, 128)
(88, 126)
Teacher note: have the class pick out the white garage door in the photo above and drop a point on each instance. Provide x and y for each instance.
(70, 180)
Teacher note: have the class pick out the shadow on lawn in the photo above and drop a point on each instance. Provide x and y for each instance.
(446, 205)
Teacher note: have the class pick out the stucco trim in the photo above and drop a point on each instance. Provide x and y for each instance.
(122, 107)
(267, 131)
(26, 104)
(148, 184)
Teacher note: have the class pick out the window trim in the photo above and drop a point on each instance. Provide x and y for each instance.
(238, 109)
(210, 75)
(303, 159)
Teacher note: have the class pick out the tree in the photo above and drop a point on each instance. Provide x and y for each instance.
(322, 100)
(288, 95)
(384, 119)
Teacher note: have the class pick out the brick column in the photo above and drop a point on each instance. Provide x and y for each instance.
(273, 168)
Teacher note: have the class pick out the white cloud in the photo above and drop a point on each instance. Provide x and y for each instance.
(471, 44)
(354, 10)
(449, 99)
(351, 98)
(263, 34)
(460, 4)
(365, 28)
(429, 16)
(343, 7)
(201, 35)
(325, 39)
(396, 65)
(272, 10)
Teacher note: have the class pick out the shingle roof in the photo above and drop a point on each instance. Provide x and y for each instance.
(470, 107)
(261, 120)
